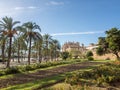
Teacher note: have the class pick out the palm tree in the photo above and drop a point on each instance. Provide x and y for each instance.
(30, 34)
(47, 40)
(19, 42)
(55, 48)
(38, 47)
(2, 43)
(7, 25)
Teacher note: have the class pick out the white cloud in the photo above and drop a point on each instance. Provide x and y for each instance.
(19, 8)
(23, 8)
(55, 3)
(15, 11)
(32, 7)
(76, 33)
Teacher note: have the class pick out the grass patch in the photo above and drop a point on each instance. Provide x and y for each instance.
(102, 61)
(45, 82)
(103, 75)
(36, 84)
(7, 73)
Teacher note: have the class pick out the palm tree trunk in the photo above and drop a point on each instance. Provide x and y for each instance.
(18, 52)
(13, 55)
(29, 53)
(46, 51)
(39, 55)
(3, 54)
(9, 53)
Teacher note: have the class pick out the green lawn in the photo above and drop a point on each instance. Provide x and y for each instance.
(49, 80)
(45, 82)
(65, 63)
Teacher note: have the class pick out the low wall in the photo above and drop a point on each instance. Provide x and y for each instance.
(104, 57)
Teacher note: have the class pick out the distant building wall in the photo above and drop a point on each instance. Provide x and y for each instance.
(74, 48)
(106, 56)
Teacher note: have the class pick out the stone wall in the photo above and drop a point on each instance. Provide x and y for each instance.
(104, 57)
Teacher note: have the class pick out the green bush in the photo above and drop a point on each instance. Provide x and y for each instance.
(65, 55)
(2, 73)
(12, 70)
(72, 79)
(20, 69)
(90, 58)
(89, 54)
(102, 75)
(30, 67)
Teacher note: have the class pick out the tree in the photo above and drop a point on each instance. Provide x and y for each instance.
(47, 40)
(65, 55)
(100, 51)
(19, 42)
(113, 40)
(55, 48)
(103, 44)
(7, 24)
(2, 43)
(31, 35)
(38, 48)
(89, 54)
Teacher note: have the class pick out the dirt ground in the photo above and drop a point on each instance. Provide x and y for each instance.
(25, 78)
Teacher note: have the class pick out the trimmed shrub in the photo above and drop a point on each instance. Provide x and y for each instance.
(89, 54)
(2, 73)
(12, 70)
(107, 58)
(90, 58)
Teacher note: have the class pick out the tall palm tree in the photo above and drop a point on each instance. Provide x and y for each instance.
(7, 24)
(19, 42)
(2, 43)
(38, 47)
(30, 35)
(47, 40)
(55, 48)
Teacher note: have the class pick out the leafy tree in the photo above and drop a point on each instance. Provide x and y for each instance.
(103, 46)
(100, 51)
(89, 54)
(65, 55)
(113, 40)
(110, 43)
(103, 43)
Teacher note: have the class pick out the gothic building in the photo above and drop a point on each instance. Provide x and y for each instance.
(73, 46)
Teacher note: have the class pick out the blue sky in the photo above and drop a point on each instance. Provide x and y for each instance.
(66, 20)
